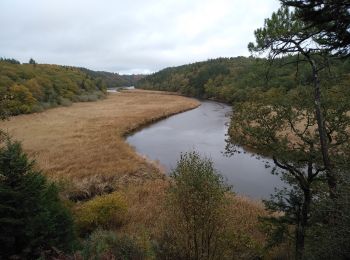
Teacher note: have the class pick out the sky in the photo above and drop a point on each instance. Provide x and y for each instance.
(135, 36)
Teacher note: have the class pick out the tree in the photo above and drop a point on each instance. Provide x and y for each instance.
(20, 100)
(32, 61)
(331, 240)
(282, 124)
(33, 218)
(306, 136)
(285, 34)
(12, 61)
(196, 202)
(330, 17)
(263, 123)
(4, 102)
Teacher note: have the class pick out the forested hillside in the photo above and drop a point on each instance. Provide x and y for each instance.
(27, 88)
(114, 80)
(233, 79)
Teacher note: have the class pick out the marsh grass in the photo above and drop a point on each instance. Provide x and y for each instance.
(82, 147)
(84, 144)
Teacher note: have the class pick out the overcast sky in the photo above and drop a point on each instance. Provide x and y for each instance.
(135, 36)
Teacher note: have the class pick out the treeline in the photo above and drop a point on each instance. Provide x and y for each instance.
(114, 80)
(234, 79)
(32, 87)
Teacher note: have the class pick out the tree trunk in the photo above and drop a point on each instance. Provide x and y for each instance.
(301, 225)
(331, 178)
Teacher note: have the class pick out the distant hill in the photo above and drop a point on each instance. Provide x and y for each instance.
(32, 87)
(114, 80)
(231, 79)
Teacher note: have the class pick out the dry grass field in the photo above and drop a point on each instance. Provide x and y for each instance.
(146, 203)
(83, 145)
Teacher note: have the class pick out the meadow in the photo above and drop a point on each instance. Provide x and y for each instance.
(83, 145)
(83, 149)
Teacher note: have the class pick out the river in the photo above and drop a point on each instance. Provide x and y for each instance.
(204, 129)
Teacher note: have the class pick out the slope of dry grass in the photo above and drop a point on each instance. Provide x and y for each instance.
(84, 143)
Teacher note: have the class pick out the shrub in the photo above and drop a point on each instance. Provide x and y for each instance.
(109, 245)
(37, 108)
(65, 102)
(106, 211)
(83, 98)
(21, 100)
(100, 94)
(47, 105)
(32, 217)
(196, 203)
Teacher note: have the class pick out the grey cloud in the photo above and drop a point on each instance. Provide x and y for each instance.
(128, 37)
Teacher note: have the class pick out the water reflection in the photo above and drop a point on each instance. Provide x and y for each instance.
(203, 129)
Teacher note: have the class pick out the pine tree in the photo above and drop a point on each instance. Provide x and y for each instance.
(32, 217)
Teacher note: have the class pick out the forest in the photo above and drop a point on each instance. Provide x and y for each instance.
(113, 80)
(234, 79)
(33, 87)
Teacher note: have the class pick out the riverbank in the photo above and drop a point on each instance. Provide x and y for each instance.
(82, 146)
(204, 129)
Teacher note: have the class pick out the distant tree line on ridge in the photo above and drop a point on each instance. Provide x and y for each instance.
(33, 87)
(234, 79)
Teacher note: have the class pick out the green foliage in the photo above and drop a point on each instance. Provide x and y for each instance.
(32, 216)
(304, 130)
(330, 17)
(25, 88)
(282, 124)
(280, 33)
(325, 238)
(235, 79)
(21, 100)
(32, 61)
(331, 239)
(113, 80)
(196, 202)
(109, 245)
(106, 211)
(12, 61)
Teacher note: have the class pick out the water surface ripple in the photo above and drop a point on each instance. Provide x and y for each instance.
(204, 129)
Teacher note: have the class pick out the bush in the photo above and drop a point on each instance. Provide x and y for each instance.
(196, 225)
(65, 102)
(83, 98)
(32, 217)
(21, 101)
(109, 245)
(106, 211)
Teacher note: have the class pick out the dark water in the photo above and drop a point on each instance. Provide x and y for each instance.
(203, 129)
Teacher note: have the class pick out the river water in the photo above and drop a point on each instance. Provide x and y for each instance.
(204, 129)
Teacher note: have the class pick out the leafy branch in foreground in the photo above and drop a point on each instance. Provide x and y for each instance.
(285, 34)
(330, 17)
(313, 153)
(282, 124)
